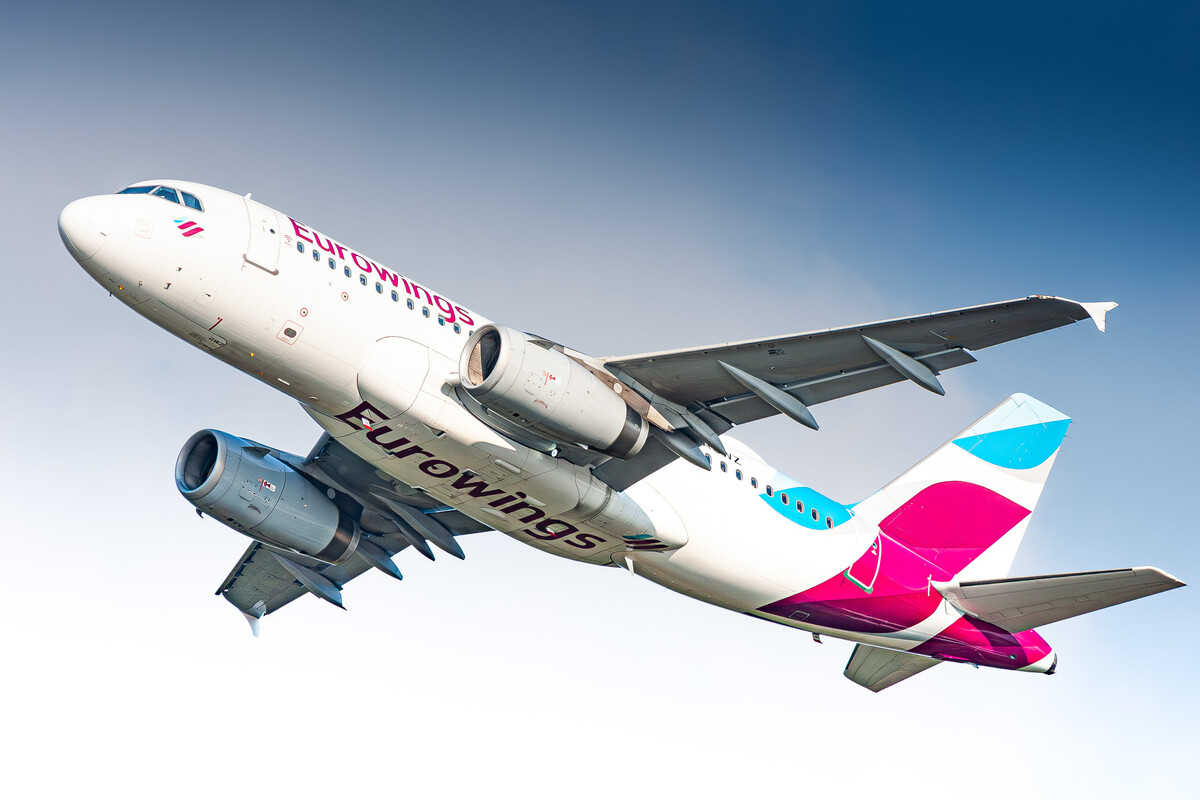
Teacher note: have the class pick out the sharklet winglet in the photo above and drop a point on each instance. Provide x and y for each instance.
(1098, 312)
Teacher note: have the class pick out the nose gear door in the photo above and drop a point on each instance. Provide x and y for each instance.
(262, 248)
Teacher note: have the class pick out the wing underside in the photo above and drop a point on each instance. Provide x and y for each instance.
(702, 391)
(820, 366)
(260, 583)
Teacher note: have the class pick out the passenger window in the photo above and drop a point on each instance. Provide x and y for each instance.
(347, 271)
(362, 279)
(191, 201)
(770, 491)
(441, 320)
(410, 304)
(378, 287)
(800, 506)
(137, 190)
(316, 254)
(829, 522)
(395, 296)
(425, 311)
(724, 467)
(754, 482)
(783, 498)
(300, 247)
(457, 328)
(332, 265)
(815, 515)
(167, 194)
(738, 473)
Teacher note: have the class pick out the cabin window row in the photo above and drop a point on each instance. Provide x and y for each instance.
(362, 279)
(783, 498)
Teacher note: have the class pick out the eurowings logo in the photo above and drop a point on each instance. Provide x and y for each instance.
(188, 227)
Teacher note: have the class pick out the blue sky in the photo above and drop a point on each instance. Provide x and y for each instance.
(620, 178)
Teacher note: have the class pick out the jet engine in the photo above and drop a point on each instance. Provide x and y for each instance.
(543, 390)
(241, 484)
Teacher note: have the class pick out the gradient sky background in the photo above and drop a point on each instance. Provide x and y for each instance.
(620, 178)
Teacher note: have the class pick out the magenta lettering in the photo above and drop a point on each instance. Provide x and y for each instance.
(322, 245)
(412, 451)
(447, 309)
(543, 530)
(531, 512)
(374, 436)
(437, 468)
(359, 413)
(387, 276)
(477, 488)
(585, 541)
(416, 291)
(298, 227)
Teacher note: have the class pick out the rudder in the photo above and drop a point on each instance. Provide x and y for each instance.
(966, 506)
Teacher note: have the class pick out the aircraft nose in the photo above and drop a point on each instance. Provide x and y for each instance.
(85, 225)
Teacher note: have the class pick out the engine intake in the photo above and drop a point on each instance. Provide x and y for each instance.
(242, 485)
(541, 389)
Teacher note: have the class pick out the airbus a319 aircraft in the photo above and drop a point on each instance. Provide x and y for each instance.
(439, 422)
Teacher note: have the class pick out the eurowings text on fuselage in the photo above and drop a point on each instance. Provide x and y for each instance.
(439, 422)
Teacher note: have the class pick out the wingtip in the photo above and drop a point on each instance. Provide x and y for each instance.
(1162, 573)
(1098, 312)
(255, 623)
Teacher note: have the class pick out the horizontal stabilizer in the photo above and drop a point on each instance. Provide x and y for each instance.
(877, 668)
(1020, 604)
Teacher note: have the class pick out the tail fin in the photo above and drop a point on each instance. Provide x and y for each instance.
(965, 507)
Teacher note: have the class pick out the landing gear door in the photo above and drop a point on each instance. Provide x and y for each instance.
(863, 572)
(262, 248)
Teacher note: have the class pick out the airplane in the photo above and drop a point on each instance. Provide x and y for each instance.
(439, 423)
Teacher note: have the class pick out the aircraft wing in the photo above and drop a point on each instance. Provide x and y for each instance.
(877, 668)
(1021, 604)
(819, 366)
(697, 393)
(261, 583)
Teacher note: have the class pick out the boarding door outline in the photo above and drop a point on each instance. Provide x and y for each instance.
(865, 571)
(262, 248)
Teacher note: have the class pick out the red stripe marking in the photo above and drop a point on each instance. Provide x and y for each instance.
(186, 225)
(192, 231)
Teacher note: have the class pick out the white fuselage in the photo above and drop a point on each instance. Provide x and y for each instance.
(373, 357)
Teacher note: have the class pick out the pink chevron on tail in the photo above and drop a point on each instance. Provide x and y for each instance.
(963, 509)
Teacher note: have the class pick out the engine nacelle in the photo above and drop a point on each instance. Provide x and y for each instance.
(251, 491)
(547, 392)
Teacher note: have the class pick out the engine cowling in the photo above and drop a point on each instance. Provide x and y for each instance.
(543, 390)
(251, 491)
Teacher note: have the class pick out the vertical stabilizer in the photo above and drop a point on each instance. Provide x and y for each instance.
(966, 506)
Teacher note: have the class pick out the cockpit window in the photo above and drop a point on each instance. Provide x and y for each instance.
(167, 194)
